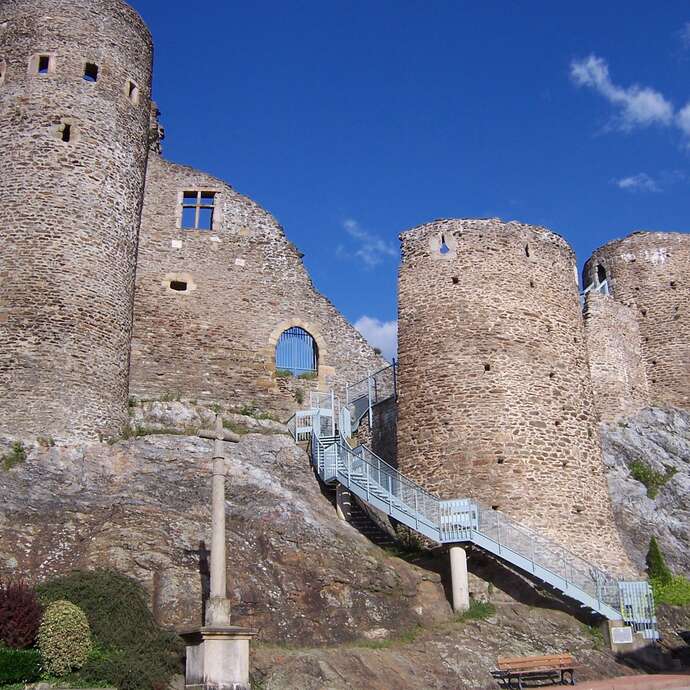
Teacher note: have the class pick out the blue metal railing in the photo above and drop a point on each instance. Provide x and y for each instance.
(464, 520)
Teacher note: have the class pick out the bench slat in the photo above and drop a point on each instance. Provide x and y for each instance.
(546, 662)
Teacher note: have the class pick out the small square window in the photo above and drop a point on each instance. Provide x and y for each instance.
(43, 64)
(90, 72)
(197, 210)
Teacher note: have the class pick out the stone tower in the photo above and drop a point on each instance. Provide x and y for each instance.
(649, 273)
(75, 81)
(495, 400)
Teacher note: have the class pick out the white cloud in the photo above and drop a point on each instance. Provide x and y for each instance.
(685, 36)
(371, 249)
(639, 106)
(381, 334)
(683, 119)
(638, 183)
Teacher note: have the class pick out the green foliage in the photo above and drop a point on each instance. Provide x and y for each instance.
(46, 442)
(299, 396)
(19, 665)
(596, 635)
(283, 374)
(478, 610)
(129, 432)
(675, 592)
(235, 428)
(656, 564)
(131, 651)
(64, 638)
(668, 588)
(20, 615)
(648, 476)
(308, 376)
(252, 410)
(215, 407)
(14, 457)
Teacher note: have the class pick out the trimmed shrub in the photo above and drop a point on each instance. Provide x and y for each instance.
(64, 638)
(656, 565)
(20, 615)
(131, 651)
(19, 666)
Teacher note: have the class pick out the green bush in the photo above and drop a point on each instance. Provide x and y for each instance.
(19, 666)
(64, 638)
(652, 479)
(656, 565)
(675, 592)
(131, 651)
(16, 456)
(308, 376)
(283, 373)
(668, 588)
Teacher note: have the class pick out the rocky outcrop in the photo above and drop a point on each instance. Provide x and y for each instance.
(142, 506)
(660, 439)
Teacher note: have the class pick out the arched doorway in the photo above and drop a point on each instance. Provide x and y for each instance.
(297, 352)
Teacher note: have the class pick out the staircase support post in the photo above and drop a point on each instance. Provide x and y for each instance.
(459, 580)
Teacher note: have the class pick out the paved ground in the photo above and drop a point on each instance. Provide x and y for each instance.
(639, 683)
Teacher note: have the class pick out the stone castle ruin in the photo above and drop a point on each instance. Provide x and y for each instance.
(126, 275)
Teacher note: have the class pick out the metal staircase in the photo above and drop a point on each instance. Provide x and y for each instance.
(327, 426)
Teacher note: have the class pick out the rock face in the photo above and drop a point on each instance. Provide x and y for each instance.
(661, 439)
(142, 506)
(454, 656)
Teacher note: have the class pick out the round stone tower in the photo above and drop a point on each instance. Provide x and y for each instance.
(495, 399)
(75, 81)
(650, 272)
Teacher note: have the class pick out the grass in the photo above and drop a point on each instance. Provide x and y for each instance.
(15, 456)
(648, 476)
(235, 428)
(478, 611)
(308, 376)
(283, 374)
(253, 411)
(595, 634)
(46, 442)
(138, 431)
(406, 637)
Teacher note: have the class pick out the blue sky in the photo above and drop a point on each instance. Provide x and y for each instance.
(353, 121)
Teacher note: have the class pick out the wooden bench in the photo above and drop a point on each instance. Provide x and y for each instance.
(555, 669)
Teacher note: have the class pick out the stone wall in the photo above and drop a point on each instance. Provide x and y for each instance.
(614, 348)
(649, 272)
(495, 397)
(383, 437)
(246, 284)
(73, 158)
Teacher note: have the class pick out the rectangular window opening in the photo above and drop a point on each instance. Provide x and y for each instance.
(178, 285)
(90, 72)
(133, 92)
(43, 64)
(66, 133)
(197, 210)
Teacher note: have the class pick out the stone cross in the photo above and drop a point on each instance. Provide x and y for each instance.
(218, 606)
(218, 653)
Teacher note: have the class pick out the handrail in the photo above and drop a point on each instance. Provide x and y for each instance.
(464, 520)
(375, 373)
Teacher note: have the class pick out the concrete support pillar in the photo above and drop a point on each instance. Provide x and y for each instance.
(458, 575)
(343, 501)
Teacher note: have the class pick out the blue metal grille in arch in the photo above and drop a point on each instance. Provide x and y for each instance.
(296, 352)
